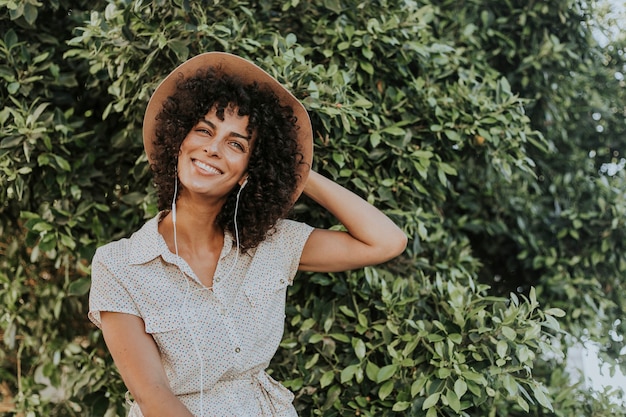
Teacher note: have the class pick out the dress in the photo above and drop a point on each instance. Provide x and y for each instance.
(222, 339)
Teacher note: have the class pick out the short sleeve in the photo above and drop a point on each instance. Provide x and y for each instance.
(107, 292)
(289, 242)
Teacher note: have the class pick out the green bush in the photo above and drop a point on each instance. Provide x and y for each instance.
(435, 111)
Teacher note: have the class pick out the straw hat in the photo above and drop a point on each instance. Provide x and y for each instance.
(246, 71)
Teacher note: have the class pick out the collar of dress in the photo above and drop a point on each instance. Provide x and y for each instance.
(147, 243)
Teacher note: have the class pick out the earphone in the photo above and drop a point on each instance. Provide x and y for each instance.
(188, 289)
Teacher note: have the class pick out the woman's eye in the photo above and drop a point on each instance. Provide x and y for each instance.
(237, 145)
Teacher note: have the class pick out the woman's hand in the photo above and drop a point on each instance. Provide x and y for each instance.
(136, 355)
(371, 237)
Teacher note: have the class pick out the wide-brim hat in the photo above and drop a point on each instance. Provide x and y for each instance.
(248, 73)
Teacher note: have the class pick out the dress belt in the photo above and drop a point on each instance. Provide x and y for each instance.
(273, 397)
(278, 397)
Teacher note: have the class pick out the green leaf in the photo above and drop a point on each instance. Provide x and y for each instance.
(13, 87)
(362, 102)
(327, 378)
(386, 372)
(436, 128)
(510, 384)
(367, 67)
(400, 406)
(179, 48)
(540, 396)
(340, 337)
(375, 139)
(134, 198)
(556, 312)
(431, 401)
(453, 400)
(315, 338)
(41, 226)
(385, 390)
(62, 163)
(333, 393)
(362, 320)
(359, 347)
(9, 335)
(11, 142)
(345, 310)
(460, 388)
(347, 373)
(30, 13)
(509, 333)
(394, 130)
(502, 348)
(79, 287)
(67, 241)
(522, 403)
(37, 112)
(434, 337)
(10, 38)
(312, 361)
(371, 370)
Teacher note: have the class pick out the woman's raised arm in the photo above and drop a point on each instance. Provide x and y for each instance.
(371, 237)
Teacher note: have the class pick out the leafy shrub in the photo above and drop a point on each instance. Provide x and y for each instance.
(434, 111)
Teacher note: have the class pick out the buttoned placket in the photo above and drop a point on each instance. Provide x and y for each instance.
(213, 295)
(219, 281)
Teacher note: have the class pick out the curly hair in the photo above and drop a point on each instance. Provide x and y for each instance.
(272, 168)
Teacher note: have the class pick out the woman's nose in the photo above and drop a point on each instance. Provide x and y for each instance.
(212, 147)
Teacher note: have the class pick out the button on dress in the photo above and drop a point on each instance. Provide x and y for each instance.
(215, 343)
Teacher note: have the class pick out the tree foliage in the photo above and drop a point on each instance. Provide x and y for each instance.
(487, 130)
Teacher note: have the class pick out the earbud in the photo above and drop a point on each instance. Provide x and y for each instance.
(175, 195)
(243, 184)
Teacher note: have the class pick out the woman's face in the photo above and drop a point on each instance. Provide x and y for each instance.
(214, 155)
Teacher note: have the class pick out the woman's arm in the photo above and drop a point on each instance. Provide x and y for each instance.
(371, 237)
(136, 355)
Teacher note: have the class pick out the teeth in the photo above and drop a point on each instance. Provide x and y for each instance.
(206, 167)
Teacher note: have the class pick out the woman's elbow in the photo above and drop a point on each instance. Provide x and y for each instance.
(395, 244)
(401, 242)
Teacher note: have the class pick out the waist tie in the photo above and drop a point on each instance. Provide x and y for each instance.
(274, 398)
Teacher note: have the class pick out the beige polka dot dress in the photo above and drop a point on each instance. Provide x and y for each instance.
(215, 344)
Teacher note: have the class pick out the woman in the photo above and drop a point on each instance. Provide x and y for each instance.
(192, 305)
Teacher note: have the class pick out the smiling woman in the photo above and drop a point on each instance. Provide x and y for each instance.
(277, 165)
(192, 306)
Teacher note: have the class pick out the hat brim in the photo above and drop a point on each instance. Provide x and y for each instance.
(247, 72)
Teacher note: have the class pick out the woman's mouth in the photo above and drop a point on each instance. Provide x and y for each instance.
(206, 167)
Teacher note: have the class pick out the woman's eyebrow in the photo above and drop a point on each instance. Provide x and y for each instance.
(235, 134)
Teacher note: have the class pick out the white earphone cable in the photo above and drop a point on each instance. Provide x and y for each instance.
(188, 291)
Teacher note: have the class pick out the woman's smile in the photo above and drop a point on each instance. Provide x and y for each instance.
(210, 170)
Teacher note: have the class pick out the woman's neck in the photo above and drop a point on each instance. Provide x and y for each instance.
(196, 228)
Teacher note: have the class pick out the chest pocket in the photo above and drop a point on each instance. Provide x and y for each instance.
(271, 291)
(267, 302)
(165, 321)
(175, 336)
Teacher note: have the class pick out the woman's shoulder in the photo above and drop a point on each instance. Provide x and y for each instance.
(285, 235)
(287, 229)
(138, 243)
(113, 253)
